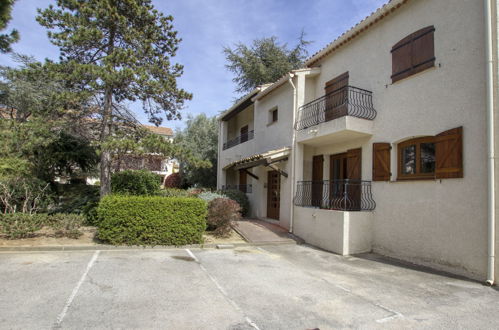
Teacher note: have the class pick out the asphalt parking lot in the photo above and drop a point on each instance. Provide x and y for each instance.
(271, 287)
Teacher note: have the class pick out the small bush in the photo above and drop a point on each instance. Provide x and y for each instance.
(24, 195)
(78, 199)
(208, 196)
(240, 198)
(151, 220)
(66, 225)
(173, 181)
(174, 192)
(130, 182)
(21, 225)
(221, 213)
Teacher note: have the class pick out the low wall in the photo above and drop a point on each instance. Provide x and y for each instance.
(336, 231)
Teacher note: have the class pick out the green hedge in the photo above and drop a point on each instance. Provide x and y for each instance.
(131, 182)
(151, 220)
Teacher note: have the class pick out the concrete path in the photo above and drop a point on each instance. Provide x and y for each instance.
(259, 231)
(272, 287)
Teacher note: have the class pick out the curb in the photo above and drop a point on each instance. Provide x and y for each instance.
(62, 248)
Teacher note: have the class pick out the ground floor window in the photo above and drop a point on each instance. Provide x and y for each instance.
(417, 158)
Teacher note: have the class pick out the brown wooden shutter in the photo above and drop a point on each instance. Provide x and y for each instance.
(449, 154)
(413, 54)
(381, 161)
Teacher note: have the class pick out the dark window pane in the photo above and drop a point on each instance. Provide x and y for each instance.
(274, 115)
(427, 157)
(409, 160)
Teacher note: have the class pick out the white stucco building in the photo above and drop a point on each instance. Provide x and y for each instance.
(384, 141)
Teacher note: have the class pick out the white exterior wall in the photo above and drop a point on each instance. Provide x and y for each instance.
(267, 136)
(438, 222)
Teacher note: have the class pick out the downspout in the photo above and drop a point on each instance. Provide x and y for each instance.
(293, 150)
(490, 143)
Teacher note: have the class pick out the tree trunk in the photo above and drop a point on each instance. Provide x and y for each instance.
(105, 158)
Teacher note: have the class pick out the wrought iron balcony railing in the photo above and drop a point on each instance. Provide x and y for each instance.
(238, 140)
(345, 101)
(343, 195)
(245, 188)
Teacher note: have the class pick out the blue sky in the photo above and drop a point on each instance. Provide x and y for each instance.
(206, 26)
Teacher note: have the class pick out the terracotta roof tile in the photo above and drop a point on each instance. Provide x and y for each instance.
(159, 130)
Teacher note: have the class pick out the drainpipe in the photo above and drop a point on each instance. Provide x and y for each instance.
(490, 143)
(293, 150)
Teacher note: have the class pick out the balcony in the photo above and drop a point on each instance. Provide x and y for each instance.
(341, 195)
(345, 101)
(245, 188)
(238, 140)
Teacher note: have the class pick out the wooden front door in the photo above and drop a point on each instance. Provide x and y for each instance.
(243, 181)
(336, 97)
(317, 180)
(345, 186)
(273, 194)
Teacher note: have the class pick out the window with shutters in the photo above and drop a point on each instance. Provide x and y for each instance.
(432, 157)
(413, 54)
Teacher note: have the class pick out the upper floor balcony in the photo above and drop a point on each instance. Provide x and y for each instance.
(345, 101)
(245, 136)
(341, 115)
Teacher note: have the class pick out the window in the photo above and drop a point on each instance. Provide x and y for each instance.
(413, 54)
(417, 159)
(273, 116)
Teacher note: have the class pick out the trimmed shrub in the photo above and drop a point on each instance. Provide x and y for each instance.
(208, 196)
(131, 182)
(221, 213)
(240, 198)
(21, 225)
(66, 225)
(151, 220)
(173, 181)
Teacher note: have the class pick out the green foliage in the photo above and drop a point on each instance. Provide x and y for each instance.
(240, 198)
(66, 225)
(265, 61)
(200, 137)
(21, 225)
(5, 16)
(42, 135)
(151, 220)
(64, 156)
(24, 195)
(222, 212)
(208, 196)
(173, 181)
(174, 192)
(131, 182)
(78, 199)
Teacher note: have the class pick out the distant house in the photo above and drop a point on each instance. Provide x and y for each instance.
(152, 162)
(384, 141)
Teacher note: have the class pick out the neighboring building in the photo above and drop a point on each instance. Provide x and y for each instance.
(152, 162)
(380, 143)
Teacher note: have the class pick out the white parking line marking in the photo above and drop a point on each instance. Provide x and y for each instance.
(391, 317)
(222, 290)
(61, 316)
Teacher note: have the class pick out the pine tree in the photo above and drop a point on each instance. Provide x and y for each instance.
(120, 50)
